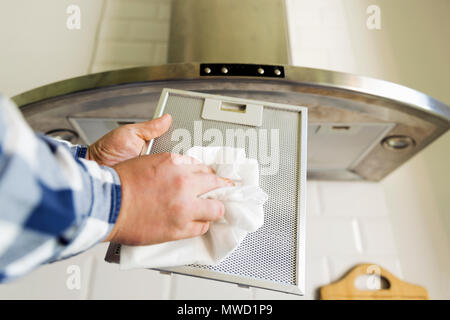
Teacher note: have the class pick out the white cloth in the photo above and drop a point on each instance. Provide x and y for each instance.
(244, 213)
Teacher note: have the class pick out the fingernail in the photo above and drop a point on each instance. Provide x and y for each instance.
(164, 116)
(229, 182)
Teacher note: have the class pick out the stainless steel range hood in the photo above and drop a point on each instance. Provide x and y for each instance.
(359, 128)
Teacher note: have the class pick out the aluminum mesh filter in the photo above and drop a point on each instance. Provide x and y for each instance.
(270, 252)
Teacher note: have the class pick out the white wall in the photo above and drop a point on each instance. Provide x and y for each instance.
(413, 41)
(412, 49)
(38, 49)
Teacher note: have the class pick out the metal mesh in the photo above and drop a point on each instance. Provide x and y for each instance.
(270, 252)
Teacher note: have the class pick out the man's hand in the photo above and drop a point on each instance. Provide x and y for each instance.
(160, 199)
(159, 192)
(126, 142)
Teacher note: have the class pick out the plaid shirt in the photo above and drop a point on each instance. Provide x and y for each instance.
(53, 202)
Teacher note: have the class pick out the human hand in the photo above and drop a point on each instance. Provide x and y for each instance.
(126, 141)
(160, 199)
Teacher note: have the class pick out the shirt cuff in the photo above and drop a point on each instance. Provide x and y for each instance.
(103, 213)
(116, 196)
(78, 151)
(82, 151)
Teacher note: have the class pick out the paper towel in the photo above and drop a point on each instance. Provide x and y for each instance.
(244, 213)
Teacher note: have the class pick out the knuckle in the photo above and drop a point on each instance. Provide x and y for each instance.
(174, 159)
(128, 130)
(181, 211)
(177, 209)
(180, 181)
(167, 156)
(163, 156)
(179, 229)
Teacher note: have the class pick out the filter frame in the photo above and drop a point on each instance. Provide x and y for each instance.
(245, 281)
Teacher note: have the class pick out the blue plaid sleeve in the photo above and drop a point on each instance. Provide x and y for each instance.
(53, 203)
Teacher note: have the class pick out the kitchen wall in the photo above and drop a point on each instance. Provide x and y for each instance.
(417, 194)
(410, 48)
(38, 48)
(402, 223)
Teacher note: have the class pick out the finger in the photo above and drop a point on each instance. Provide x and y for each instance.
(180, 159)
(154, 128)
(196, 228)
(191, 164)
(208, 210)
(228, 180)
(202, 168)
(185, 163)
(205, 182)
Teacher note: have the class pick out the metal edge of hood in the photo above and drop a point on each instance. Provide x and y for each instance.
(331, 97)
(331, 83)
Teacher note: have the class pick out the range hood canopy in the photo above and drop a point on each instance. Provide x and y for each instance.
(359, 128)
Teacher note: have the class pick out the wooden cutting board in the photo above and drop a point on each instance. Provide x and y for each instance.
(345, 289)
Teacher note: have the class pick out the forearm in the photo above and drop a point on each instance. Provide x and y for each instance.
(53, 205)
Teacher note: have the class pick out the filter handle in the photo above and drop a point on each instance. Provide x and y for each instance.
(233, 112)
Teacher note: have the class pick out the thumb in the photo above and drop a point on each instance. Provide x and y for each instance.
(154, 128)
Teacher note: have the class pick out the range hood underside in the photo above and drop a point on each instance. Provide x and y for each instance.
(349, 119)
